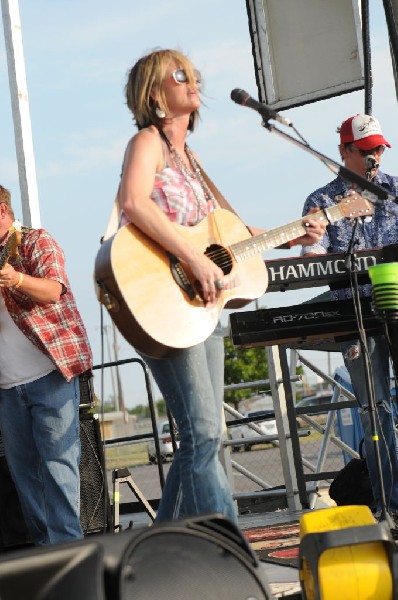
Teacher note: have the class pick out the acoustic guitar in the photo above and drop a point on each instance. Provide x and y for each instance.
(153, 298)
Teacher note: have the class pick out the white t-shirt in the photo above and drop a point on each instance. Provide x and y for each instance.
(20, 360)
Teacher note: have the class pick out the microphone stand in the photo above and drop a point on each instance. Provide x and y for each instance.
(376, 195)
(353, 271)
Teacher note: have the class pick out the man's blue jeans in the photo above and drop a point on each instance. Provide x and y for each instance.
(39, 423)
(192, 384)
(379, 357)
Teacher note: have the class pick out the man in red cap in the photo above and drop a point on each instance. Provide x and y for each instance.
(364, 131)
(361, 139)
(361, 147)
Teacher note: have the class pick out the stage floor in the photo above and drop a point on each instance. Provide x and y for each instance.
(283, 580)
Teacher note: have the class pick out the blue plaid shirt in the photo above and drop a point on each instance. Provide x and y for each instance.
(372, 232)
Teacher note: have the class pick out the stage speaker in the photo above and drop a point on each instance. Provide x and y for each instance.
(13, 531)
(200, 558)
(305, 50)
(95, 508)
(53, 573)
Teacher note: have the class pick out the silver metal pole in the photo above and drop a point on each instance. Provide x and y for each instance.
(20, 113)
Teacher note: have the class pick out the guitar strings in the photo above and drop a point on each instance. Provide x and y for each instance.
(224, 255)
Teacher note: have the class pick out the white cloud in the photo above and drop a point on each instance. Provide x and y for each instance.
(87, 153)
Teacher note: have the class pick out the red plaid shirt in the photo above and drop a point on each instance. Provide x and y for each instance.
(56, 329)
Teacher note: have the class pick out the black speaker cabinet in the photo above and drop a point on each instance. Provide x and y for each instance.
(57, 572)
(201, 558)
(13, 532)
(95, 508)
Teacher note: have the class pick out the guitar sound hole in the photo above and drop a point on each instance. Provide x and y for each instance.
(220, 256)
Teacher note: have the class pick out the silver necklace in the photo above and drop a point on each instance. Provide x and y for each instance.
(195, 173)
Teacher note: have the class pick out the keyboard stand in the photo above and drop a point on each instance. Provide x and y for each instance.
(124, 476)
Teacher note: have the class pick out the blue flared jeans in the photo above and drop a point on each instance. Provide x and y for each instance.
(39, 423)
(192, 384)
(388, 447)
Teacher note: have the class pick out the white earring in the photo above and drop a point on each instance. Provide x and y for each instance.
(160, 113)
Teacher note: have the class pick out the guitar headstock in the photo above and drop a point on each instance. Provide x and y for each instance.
(13, 241)
(353, 205)
(11, 246)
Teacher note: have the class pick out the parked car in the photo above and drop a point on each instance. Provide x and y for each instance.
(165, 443)
(267, 426)
(314, 400)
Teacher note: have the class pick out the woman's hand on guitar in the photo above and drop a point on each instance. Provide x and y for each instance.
(209, 278)
(315, 230)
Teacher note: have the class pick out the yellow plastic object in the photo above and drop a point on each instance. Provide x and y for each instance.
(352, 571)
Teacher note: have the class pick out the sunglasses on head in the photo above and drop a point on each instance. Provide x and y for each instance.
(180, 76)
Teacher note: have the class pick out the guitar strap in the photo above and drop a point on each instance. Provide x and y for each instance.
(221, 200)
(114, 218)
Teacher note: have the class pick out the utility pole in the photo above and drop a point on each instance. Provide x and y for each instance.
(113, 371)
(118, 380)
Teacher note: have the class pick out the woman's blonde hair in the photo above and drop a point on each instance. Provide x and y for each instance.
(148, 74)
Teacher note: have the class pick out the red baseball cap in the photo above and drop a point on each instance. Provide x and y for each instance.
(364, 131)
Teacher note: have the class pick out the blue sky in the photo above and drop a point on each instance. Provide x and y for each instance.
(76, 57)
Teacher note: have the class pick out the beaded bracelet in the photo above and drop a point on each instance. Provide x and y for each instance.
(20, 281)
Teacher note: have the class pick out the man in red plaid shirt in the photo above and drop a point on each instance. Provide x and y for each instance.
(43, 350)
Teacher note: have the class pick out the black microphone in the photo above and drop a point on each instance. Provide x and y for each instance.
(244, 99)
(371, 162)
(371, 166)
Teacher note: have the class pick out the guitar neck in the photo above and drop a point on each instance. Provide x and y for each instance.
(280, 235)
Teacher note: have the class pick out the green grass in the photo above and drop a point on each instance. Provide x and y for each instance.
(126, 456)
(133, 455)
